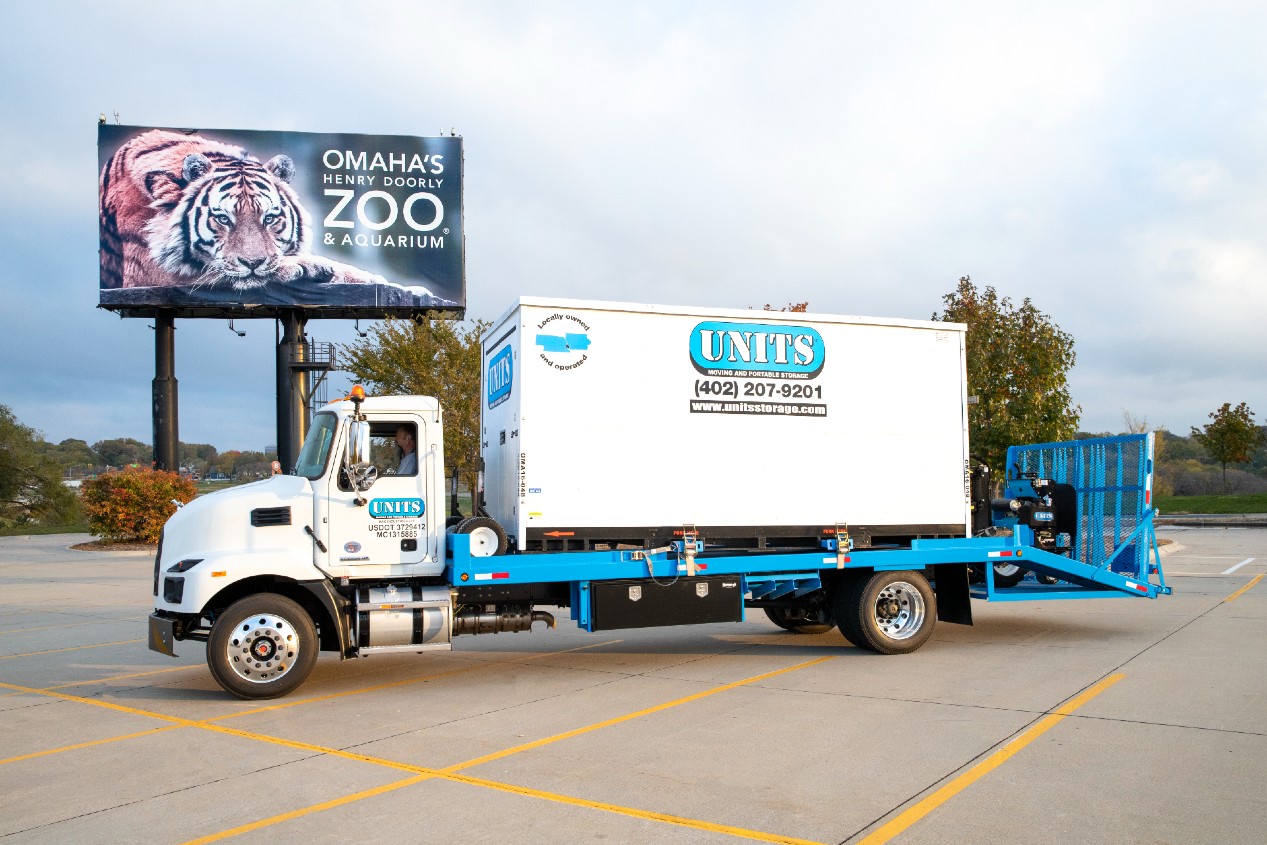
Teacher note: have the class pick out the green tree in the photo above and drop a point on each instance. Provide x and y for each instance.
(1230, 437)
(124, 451)
(1018, 368)
(31, 488)
(72, 454)
(439, 358)
(197, 457)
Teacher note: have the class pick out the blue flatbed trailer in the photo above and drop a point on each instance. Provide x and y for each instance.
(1108, 551)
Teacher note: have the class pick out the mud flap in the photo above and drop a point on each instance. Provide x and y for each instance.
(162, 636)
(950, 584)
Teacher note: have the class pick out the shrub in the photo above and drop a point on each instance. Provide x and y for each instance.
(133, 504)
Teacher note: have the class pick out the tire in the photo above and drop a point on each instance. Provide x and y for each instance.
(1008, 575)
(848, 596)
(263, 646)
(889, 612)
(487, 537)
(809, 620)
(1046, 579)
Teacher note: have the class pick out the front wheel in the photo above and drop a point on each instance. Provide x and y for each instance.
(263, 646)
(889, 612)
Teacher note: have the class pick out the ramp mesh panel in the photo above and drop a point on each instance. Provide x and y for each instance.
(1113, 479)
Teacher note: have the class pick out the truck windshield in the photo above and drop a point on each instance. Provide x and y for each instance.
(316, 450)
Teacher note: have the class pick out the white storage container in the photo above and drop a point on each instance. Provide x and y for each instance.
(612, 422)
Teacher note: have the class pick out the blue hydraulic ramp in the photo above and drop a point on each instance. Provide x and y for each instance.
(1114, 546)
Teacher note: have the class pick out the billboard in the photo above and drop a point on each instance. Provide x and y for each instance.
(237, 223)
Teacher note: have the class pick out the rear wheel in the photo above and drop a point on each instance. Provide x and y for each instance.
(888, 612)
(812, 619)
(263, 646)
(487, 537)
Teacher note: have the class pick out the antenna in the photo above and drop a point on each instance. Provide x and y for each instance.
(356, 327)
(235, 331)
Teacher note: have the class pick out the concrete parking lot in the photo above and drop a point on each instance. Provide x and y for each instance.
(1104, 721)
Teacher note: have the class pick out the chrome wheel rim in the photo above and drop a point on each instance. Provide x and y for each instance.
(263, 648)
(1006, 569)
(899, 610)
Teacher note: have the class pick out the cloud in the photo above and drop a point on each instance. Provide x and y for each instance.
(1105, 160)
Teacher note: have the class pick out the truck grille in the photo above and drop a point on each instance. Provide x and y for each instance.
(262, 517)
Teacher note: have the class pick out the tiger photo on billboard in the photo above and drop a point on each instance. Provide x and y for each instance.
(182, 210)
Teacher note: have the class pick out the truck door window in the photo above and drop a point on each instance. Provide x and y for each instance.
(394, 448)
(316, 448)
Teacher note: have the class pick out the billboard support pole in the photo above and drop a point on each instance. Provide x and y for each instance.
(166, 423)
(292, 392)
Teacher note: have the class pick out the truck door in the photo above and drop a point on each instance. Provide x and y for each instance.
(389, 525)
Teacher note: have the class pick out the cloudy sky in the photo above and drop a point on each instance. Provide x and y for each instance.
(1108, 160)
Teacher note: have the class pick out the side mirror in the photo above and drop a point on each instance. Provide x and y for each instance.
(358, 443)
(361, 473)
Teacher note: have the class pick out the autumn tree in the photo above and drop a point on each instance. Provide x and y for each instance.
(1018, 368)
(1230, 437)
(31, 488)
(439, 358)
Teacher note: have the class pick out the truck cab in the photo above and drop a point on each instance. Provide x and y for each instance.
(346, 518)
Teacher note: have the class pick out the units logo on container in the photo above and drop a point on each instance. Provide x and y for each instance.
(501, 375)
(564, 341)
(757, 350)
(396, 508)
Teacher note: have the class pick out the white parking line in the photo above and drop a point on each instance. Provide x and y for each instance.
(1238, 566)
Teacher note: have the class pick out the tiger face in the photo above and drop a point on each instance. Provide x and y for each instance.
(185, 210)
(236, 221)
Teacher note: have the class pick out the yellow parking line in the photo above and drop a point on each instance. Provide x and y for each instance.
(627, 717)
(70, 648)
(107, 680)
(424, 773)
(923, 808)
(390, 685)
(1244, 589)
(79, 745)
(695, 824)
(295, 814)
(449, 773)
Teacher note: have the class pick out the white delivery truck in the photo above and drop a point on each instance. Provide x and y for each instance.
(644, 466)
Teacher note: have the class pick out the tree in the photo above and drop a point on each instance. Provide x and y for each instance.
(31, 488)
(1018, 368)
(134, 503)
(1230, 437)
(72, 454)
(124, 451)
(439, 358)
